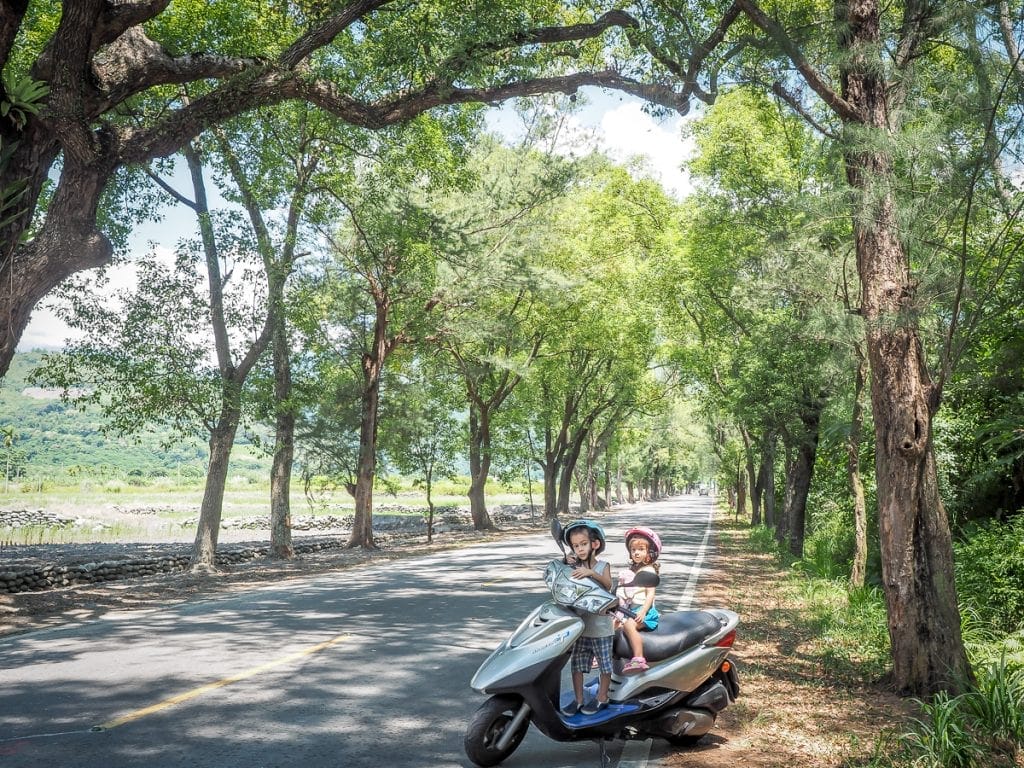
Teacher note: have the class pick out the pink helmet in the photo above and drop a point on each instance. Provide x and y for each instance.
(653, 539)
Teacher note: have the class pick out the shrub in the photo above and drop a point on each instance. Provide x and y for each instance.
(941, 738)
(762, 539)
(990, 572)
(996, 705)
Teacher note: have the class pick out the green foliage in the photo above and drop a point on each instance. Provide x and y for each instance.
(996, 705)
(762, 538)
(23, 97)
(941, 737)
(983, 726)
(989, 564)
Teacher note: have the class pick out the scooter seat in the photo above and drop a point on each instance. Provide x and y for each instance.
(675, 633)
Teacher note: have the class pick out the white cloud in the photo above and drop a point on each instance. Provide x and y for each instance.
(627, 132)
(618, 127)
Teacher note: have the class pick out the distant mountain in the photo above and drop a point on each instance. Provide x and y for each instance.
(56, 440)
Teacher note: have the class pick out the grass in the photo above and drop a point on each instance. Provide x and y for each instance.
(117, 505)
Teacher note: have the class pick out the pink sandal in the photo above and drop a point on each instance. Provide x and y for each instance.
(635, 665)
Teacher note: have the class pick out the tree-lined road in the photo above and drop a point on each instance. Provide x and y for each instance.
(360, 668)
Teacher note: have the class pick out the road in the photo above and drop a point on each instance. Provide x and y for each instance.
(360, 668)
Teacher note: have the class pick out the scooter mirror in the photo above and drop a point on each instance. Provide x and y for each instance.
(646, 579)
(556, 533)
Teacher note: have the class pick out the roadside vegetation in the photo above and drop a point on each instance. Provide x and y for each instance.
(982, 726)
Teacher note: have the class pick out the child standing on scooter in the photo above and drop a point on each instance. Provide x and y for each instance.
(643, 546)
(586, 539)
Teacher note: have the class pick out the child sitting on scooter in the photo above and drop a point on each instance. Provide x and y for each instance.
(643, 546)
(586, 539)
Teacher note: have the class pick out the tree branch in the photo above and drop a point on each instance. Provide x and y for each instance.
(794, 103)
(325, 32)
(773, 29)
(918, 16)
(1012, 49)
(11, 14)
(266, 87)
(170, 190)
(134, 63)
(695, 61)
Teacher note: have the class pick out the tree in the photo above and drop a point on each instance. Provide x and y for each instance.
(10, 438)
(872, 62)
(428, 435)
(491, 287)
(593, 364)
(108, 66)
(381, 281)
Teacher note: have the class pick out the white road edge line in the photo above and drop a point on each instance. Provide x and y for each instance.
(636, 753)
(691, 583)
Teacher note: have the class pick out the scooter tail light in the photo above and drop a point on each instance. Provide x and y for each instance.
(727, 641)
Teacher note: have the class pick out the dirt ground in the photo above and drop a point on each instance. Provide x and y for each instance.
(791, 711)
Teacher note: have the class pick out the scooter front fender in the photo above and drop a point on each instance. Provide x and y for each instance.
(546, 634)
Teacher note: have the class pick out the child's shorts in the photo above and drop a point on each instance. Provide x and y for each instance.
(649, 623)
(588, 648)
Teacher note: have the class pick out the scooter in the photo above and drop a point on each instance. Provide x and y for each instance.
(690, 680)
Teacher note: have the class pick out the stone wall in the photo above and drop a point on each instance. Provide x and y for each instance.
(177, 557)
(57, 576)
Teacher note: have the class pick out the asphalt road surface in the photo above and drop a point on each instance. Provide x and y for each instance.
(366, 667)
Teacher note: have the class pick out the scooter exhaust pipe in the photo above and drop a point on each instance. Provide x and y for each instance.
(686, 722)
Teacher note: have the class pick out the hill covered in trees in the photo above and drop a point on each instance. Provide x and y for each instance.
(44, 438)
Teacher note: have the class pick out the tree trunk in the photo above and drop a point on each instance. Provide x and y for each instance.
(429, 474)
(583, 489)
(284, 447)
(366, 465)
(917, 553)
(608, 484)
(765, 486)
(618, 481)
(222, 439)
(362, 522)
(569, 461)
(479, 466)
(803, 466)
(782, 520)
(755, 492)
(631, 498)
(67, 242)
(550, 491)
(860, 517)
(741, 494)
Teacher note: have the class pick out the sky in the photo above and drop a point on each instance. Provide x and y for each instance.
(609, 122)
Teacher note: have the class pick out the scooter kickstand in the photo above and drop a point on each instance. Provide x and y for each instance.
(606, 759)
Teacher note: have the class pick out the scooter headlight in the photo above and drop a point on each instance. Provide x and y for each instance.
(564, 589)
(596, 603)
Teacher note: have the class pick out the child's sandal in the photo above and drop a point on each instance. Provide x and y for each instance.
(635, 665)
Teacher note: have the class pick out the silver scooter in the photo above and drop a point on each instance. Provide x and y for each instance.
(690, 680)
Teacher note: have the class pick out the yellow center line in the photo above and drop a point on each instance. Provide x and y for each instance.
(139, 713)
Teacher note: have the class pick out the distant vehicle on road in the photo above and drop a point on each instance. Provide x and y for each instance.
(702, 490)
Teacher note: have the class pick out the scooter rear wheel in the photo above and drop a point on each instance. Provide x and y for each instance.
(487, 727)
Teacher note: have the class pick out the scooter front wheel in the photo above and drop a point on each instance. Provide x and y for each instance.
(488, 726)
